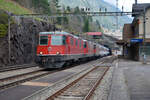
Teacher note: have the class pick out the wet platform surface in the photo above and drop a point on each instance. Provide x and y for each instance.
(131, 81)
(138, 80)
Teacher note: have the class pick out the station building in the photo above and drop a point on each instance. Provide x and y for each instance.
(136, 35)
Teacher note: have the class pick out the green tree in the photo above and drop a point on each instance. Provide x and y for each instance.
(76, 10)
(59, 20)
(68, 9)
(55, 2)
(86, 27)
(42, 6)
(65, 20)
(55, 5)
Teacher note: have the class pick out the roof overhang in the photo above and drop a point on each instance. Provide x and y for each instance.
(121, 42)
(94, 33)
(138, 9)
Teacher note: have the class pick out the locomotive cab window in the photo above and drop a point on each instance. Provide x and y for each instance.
(58, 40)
(43, 40)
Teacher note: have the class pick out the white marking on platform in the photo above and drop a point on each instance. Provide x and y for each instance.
(36, 84)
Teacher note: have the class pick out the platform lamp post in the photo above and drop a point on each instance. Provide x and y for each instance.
(136, 2)
(144, 39)
(9, 48)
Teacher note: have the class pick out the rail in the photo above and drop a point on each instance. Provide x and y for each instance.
(18, 79)
(15, 67)
(63, 92)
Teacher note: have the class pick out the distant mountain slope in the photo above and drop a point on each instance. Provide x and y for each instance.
(106, 21)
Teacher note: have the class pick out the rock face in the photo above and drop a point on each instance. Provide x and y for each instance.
(24, 39)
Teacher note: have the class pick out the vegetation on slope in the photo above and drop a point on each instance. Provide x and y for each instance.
(13, 7)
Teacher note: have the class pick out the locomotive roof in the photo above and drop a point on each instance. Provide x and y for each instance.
(59, 32)
(56, 32)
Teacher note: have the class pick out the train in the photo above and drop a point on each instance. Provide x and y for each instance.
(57, 48)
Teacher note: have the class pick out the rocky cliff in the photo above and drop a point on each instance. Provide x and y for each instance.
(23, 41)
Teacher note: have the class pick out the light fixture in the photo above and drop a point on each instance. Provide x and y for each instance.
(41, 53)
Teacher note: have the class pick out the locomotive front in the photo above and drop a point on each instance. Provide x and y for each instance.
(51, 49)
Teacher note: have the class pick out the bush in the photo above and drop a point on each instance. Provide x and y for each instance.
(3, 18)
(3, 30)
(3, 23)
(86, 27)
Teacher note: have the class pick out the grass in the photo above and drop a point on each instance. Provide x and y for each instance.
(13, 7)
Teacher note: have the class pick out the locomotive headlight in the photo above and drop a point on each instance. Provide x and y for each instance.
(57, 53)
(41, 53)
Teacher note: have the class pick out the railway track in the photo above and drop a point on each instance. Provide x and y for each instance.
(83, 87)
(24, 77)
(21, 78)
(10, 68)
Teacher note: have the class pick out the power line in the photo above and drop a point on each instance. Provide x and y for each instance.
(124, 2)
(116, 14)
(135, 1)
(123, 5)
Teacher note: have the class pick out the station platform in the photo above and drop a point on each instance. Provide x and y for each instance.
(130, 81)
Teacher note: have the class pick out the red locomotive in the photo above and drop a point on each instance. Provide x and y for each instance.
(57, 48)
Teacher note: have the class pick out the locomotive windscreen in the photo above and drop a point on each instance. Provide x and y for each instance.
(43, 40)
(58, 40)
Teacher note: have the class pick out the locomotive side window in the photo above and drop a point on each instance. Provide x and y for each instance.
(71, 41)
(76, 42)
(64, 40)
(80, 43)
(94, 47)
(58, 40)
(85, 44)
(43, 40)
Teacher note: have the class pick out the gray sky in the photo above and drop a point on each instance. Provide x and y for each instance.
(127, 3)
